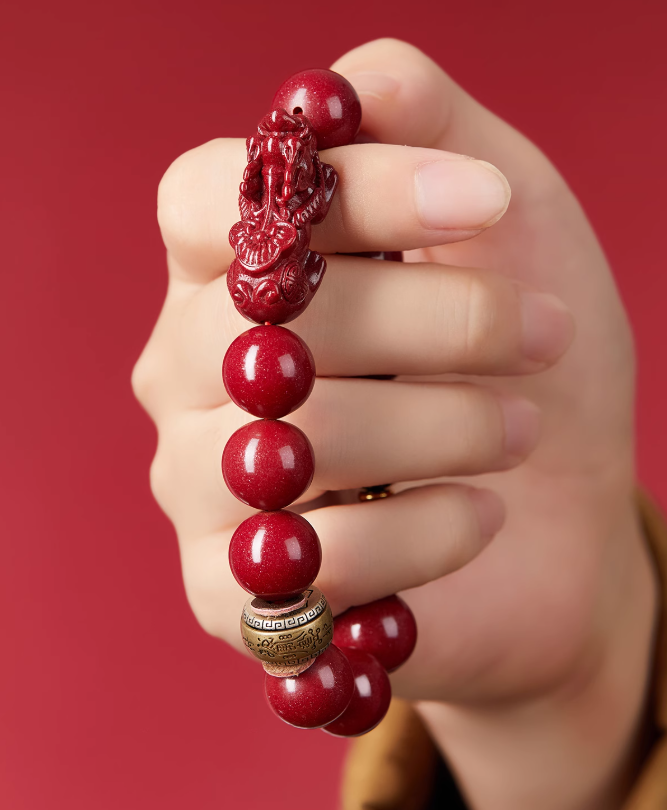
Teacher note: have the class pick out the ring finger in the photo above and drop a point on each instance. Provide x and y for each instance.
(370, 550)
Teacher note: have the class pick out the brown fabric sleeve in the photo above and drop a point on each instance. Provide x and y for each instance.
(394, 767)
(650, 790)
(391, 767)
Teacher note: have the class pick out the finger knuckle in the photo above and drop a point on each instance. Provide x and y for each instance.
(204, 607)
(334, 579)
(160, 477)
(143, 378)
(194, 208)
(211, 592)
(150, 380)
(208, 620)
(170, 197)
(462, 536)
(479, 320)
(478, 442)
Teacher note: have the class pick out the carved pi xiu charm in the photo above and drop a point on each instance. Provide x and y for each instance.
(289, 643)
(285, 190)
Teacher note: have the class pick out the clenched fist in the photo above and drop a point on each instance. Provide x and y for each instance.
(510, 416)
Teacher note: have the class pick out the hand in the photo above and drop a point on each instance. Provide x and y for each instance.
(535, 611)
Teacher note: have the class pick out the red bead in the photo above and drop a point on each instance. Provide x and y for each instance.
(385, 628)
(328, 101)
(371, 698)
(268, 371)
(275, 555)
(268, 464)
(317, 696)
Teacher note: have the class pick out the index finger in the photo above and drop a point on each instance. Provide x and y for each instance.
(389, 198)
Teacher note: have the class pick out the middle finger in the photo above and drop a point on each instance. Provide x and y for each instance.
(370, 318)
(363, 432)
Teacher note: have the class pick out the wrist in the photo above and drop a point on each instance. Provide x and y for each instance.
(580, 744)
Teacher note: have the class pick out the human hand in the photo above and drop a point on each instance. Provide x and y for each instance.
(534, 610)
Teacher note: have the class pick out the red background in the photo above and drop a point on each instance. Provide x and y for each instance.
(110, 695)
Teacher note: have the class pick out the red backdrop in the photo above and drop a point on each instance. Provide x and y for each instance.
(110, 695)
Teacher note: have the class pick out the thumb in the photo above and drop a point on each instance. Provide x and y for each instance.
(408, 99)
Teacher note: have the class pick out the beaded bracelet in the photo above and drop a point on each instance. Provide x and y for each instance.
(270, 372)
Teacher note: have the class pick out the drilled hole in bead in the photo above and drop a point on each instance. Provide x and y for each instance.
(297, 111)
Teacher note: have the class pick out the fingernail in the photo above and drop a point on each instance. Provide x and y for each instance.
(490, 511)
(522, 426)
(373, 83)
(547, 326)
(459, 193)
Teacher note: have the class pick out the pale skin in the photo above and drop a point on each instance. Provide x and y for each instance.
(512, 419)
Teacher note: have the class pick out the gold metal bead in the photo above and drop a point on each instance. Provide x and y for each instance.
(374, 493)
(289, 640)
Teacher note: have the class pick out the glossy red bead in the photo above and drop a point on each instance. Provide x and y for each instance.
(371, 698)
(317, 696)
(275, 555)
(268, 371)
(328, 101)
(268, 464)
(385, 628)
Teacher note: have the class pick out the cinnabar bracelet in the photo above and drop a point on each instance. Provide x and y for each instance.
(269, 372)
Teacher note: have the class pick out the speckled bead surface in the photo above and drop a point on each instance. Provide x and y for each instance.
(268, 464)
(328, 101)
(275, 555)
(268, 371)
(385, 628)
(370, 700)
(317, 696)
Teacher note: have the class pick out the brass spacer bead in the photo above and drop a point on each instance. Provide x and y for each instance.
(291, 640)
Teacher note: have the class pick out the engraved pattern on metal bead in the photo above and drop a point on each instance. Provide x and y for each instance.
(290, 640)
(309, 612)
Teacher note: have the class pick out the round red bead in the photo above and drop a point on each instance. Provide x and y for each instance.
(328, 101)
(317, 696)
(268, 464)
(385, 628)
(371, 698)
(275, 555)
(268, 371)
